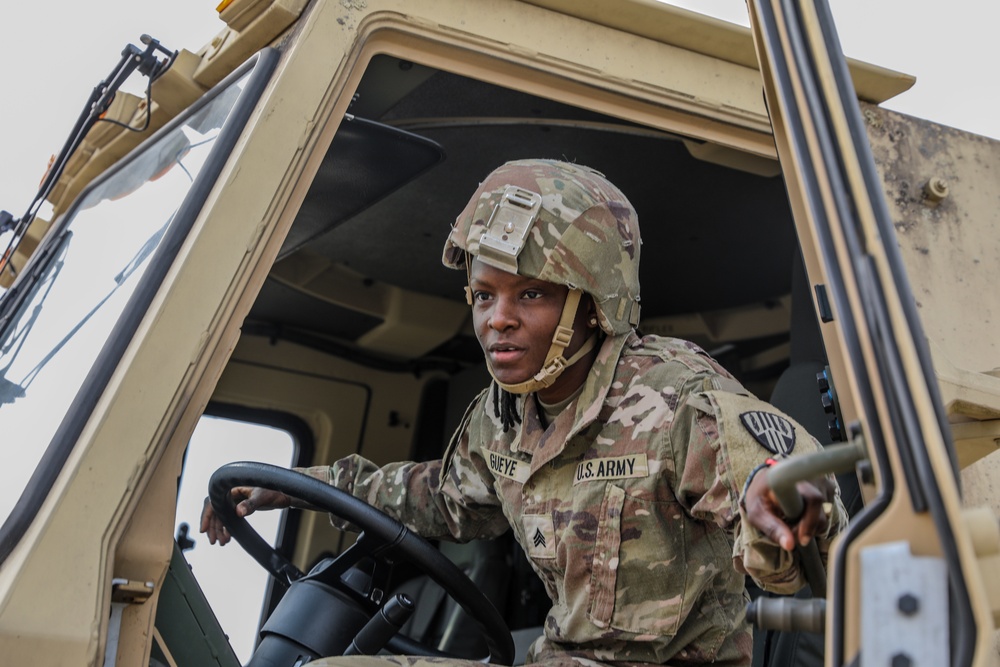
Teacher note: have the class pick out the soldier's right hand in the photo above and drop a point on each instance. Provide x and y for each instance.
(248, 500)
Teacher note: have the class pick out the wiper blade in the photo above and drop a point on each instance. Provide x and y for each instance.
(11, 300)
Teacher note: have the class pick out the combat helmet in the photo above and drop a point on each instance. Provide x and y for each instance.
(562, 223)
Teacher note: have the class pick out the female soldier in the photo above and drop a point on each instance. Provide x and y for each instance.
(624, 464)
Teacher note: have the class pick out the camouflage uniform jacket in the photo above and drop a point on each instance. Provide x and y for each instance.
(627, 505)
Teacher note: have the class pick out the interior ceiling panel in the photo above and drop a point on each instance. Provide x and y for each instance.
(695, 266)
(392, 184)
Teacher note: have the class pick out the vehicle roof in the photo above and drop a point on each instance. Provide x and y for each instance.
(713, 37)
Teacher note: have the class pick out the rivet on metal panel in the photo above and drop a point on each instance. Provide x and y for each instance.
(901, 660)
(908, 604)
(935, 190)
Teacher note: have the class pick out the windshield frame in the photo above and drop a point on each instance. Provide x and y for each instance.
(258, 70)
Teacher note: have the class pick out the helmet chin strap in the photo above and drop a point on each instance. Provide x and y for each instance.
(555, 363)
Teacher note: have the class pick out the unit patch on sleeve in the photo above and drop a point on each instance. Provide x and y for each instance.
(539, 536)
(775, 433)
(507, 466)
(615, 467)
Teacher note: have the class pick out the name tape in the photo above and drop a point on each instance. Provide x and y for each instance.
(508, 467)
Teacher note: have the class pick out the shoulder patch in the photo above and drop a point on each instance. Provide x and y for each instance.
(775, 433)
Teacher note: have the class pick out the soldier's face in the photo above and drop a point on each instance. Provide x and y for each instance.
(515, 318)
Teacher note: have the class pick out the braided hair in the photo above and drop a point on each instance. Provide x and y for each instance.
(505, 408)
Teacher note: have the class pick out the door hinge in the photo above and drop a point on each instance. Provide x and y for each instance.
(123, 593)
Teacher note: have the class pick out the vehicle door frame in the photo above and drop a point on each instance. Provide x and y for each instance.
(873, 335)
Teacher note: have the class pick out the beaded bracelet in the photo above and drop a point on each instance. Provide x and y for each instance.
(768, 463)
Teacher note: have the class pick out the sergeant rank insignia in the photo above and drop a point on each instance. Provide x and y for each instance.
(540, 534)
(775, 433)
(538, 539)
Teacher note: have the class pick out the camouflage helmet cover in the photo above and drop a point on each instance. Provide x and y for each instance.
(585, 234)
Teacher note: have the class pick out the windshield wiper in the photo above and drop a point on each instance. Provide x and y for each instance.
(133, 59)
(14, 296)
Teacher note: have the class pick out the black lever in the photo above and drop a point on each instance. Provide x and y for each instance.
(382, 626)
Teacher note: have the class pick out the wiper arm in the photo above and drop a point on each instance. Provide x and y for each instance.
(132, 59)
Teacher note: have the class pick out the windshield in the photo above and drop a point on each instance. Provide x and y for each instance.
(99, 268)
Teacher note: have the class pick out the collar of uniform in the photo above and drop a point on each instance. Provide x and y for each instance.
(588, 404)
(599, 380)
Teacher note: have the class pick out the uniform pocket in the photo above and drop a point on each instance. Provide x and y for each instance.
(605, 561)
(639, 570)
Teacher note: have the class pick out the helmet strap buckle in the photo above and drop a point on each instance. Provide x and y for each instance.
(553, 368)
(562, 336)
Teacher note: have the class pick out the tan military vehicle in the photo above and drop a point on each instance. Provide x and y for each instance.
(258, 243)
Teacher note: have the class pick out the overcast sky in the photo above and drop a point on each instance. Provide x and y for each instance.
(52, 55)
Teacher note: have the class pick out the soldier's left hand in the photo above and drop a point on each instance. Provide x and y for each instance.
(764, 511)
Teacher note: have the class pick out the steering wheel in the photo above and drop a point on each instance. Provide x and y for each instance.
(383, 539)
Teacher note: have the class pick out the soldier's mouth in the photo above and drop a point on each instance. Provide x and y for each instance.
(505, 353)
